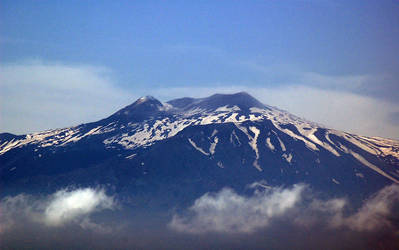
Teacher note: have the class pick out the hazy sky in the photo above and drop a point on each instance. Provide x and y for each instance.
(332, 62)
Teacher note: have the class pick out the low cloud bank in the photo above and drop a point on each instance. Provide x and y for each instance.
(62, 208)
(229, 212)
(264, 216)
(380, 211)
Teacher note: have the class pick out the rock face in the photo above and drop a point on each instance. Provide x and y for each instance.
(174, 152)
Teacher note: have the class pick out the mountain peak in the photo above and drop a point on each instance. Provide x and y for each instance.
(148, 106)
(243, 100)
(142, 108)
(145, 99)
(144, 104)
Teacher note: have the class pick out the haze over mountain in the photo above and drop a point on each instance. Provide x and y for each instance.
(226, 164)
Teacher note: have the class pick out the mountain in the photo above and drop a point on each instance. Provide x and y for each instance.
(173, 172)
(197, 145)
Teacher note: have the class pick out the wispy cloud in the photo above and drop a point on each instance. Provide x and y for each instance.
(375, 214)
(342, 83)
(36, 95)
(335, 109)
(381, 85)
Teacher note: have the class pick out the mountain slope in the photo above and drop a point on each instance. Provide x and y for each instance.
(199, 144)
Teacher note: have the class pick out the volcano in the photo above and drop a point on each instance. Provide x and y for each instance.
(156, 156)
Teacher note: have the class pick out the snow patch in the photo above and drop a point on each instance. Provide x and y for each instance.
(281, 144)
(213, 145)
(227, 109)
(235, 137)
(130, 156)
(308, 144)
(257, 110)
(287, 157)
(366, 163)
(335, 181)
(269, 144)
(254, 146)
(252, 141)
(360, 175)
(232, 118)
(308, 133)
(197, 148)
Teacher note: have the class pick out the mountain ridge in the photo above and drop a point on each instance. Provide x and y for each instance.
(225, 132)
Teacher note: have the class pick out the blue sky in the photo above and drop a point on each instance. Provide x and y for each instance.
(333, 62)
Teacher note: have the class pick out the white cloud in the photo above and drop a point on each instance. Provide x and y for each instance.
(335, 109)
(62, 208)
(36, 95)
(375, 214)
(66, 206)
(348, 82)
(227, 211)
(15, 207)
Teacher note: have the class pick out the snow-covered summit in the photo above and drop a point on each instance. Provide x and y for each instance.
(242, 100)
(141, 109)
(148, 121)
(145, 99)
